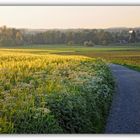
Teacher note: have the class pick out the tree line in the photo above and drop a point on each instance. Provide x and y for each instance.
(87, 37)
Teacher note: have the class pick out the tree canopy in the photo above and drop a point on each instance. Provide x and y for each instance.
(14, 37)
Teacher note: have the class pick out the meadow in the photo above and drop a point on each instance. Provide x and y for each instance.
(52, 93)
(58, 88)
(127, 55)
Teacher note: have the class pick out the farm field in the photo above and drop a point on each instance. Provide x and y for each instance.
(58, 88)
(127, 55)
(52, 93)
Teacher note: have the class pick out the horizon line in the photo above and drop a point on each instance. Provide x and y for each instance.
(71, 28)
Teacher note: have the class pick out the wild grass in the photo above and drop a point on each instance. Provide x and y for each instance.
(52, 93)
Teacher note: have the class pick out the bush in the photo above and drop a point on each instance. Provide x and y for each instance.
(104, 42)
(88, 43)
(70, 43)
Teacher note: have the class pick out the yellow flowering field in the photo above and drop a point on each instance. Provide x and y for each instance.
(53, 94)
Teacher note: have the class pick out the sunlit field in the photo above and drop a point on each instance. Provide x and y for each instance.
(128, 55)
(48, 93)
(59, 88)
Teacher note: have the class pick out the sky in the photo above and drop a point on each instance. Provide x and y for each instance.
(49, 17)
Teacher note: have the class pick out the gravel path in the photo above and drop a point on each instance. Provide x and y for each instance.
(125, 111)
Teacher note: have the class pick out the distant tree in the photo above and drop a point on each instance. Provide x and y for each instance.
(132, 37)
(10, 36)
(19, 38)
(70, 43)
(88, 37)
(104, 42)
(89, 44)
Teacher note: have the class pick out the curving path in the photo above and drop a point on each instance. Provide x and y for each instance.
(125, 111)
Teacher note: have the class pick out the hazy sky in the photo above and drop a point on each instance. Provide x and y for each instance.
(69, 16)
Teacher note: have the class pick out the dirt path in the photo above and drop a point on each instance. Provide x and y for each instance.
(125, 111)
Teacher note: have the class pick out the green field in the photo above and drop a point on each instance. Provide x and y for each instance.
(58, 88)
(128, 55)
